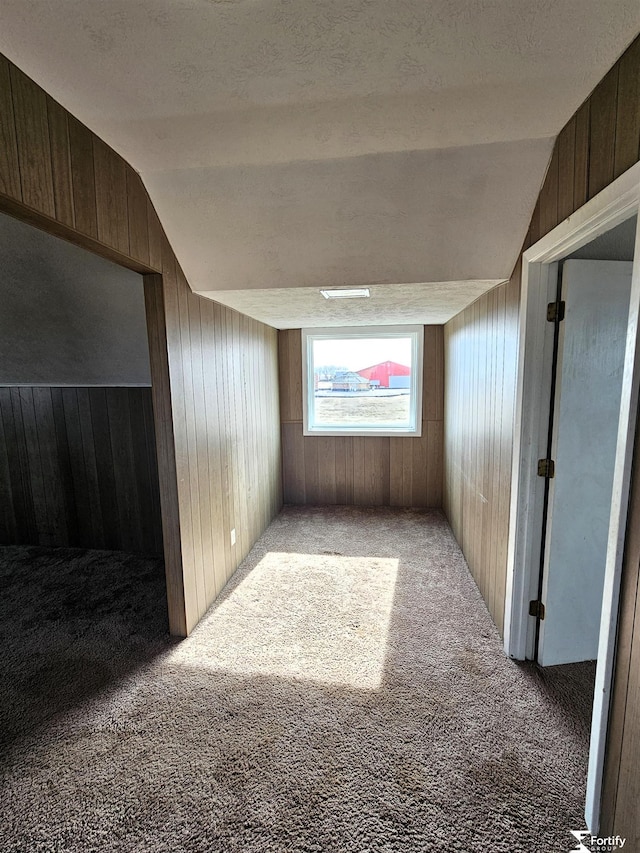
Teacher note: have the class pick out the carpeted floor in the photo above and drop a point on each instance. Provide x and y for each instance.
(347, 693)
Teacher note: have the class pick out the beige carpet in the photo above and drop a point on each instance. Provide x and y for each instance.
(348, 693)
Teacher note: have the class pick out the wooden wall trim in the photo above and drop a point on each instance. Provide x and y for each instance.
(59, 176)
(364, 471)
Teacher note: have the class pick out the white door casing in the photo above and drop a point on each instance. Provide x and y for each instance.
(614, 204)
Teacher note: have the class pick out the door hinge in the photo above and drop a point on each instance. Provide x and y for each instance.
(555, 312)
(546, 468)
(536, 608)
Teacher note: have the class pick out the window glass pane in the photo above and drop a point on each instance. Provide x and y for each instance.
(362, 381)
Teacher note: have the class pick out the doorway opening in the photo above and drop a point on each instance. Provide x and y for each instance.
(589, 327)
(576, 400)
(78, 465)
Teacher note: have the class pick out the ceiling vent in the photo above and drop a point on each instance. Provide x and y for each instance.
(346, 293)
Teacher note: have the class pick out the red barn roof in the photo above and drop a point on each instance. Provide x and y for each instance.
(381, 372)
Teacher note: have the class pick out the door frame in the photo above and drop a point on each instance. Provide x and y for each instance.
(614, 204)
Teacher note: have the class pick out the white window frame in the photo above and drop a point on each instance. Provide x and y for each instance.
(416, 333)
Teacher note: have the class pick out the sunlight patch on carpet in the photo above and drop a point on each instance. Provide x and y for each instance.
(317, 617)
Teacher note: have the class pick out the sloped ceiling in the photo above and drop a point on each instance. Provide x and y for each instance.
(304, 144)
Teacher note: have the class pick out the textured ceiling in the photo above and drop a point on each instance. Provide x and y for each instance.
(290, 144)
(388, 305)
(440, 215)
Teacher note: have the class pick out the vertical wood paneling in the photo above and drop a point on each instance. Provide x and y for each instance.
(8, 521)
(478, 434)
(566, 148)
(10, 478)
(144, 468)
(111, 197)
(223, 367)
(124, 466)
(581, 158)
(137, 217)
(204, 472)
(192, 499)
(9, 168)
(32, 135)
(365, 471)
(27, 423)
(344, 471)
(155, 237)
(293, 464)
(602, 132)
(224, 433)
(79, 474)
(151, 454)
(290, 372)
(435, 463)
(534, 227)
(616, 746)
(83, 177)
(105, 468)
(219, 552)
(23, 477)
(327, 471)
(60, 162)
(89, 459)
(627, 136)
(625, 818)
(87, 512)
(51, 464)
(549, 195)
(433, 374)
(360, 495)
(235, 436)
(207, 582)
(311, 472)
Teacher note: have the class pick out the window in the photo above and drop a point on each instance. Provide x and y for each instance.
(364, 380)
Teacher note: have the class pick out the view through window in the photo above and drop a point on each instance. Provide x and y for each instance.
(363, 381)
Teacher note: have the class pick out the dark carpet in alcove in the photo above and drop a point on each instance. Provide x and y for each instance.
(348, 692)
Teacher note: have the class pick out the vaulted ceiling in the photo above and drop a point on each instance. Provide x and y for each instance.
(309, 143)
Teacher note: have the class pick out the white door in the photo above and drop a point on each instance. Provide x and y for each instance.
(591, 352)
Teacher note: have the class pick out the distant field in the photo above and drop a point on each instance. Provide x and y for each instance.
(383, 410)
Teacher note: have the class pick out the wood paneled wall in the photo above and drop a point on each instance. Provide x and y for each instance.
(365, 471)
(621, 774)
(214, 372)
(78, 468)
(226, 428)
(480, 380)
(599, 142)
